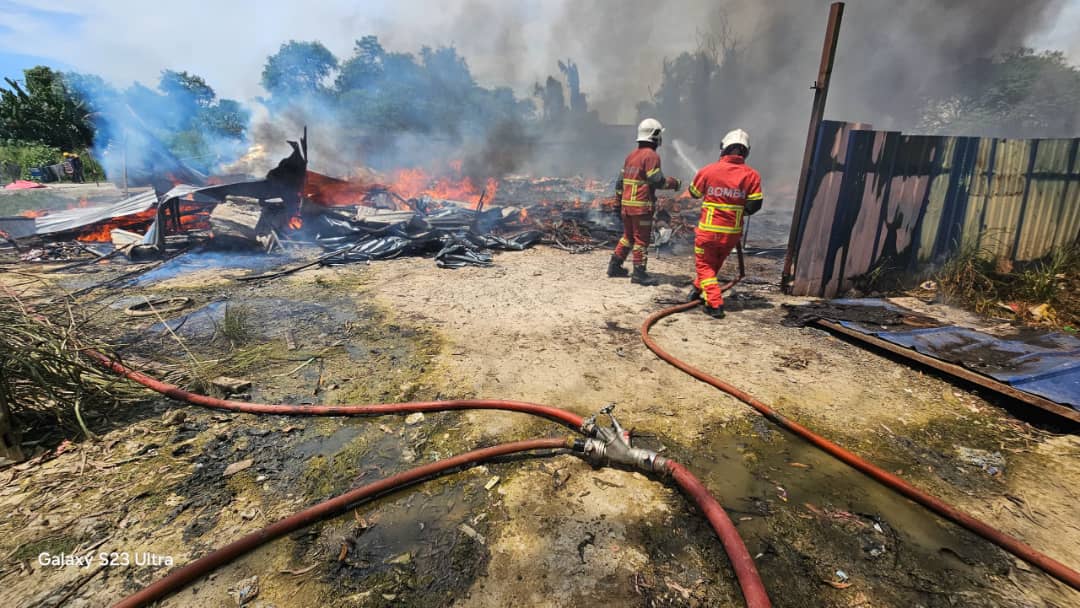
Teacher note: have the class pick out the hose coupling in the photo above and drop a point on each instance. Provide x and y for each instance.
(612, 445)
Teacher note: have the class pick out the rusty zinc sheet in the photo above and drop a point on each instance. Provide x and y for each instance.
(885, 202)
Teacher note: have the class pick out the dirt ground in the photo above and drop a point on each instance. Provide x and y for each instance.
(549, 327)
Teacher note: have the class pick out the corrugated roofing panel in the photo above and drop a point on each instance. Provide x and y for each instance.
(73, 219)
(884, 201)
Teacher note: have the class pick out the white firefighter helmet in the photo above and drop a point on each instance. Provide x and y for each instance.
(649, 130)
(736, 137)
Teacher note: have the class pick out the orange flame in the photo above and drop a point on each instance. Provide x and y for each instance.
(296, 223)
(34, 213)
(408, 183)
(332, 192)
(415, 182)
(191, 217)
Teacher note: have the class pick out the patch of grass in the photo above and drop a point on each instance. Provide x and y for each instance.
(966, 276)
(53, 545)
(972, 279)
(1044, 281)
(43, 374)
(235, 326)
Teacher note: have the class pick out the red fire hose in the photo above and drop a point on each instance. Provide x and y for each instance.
(749, 580)
(1012, 545)
(565, 417)
(181, 577)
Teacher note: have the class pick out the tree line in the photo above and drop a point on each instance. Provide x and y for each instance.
(379, 93)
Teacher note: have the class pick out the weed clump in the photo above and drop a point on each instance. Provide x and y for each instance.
(45, 379)
(1044, 292)
(235, 325)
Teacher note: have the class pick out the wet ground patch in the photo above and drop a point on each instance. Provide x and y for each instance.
(823, 534)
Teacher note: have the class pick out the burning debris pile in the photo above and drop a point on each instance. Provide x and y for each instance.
(444, 214)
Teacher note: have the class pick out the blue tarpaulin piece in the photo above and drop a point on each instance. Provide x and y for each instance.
(1044, 364)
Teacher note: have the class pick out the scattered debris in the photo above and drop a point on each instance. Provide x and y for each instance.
(839, 581)
(414, 418)
(245, 590)
(473, 534)
(236, 467)
(559, 478)
(991, 462)
(494, 481)
(173, 417)
(154, 307)
(231, 386)
(301, 571)
(683, 591)
(589, 539)
(1043, 312)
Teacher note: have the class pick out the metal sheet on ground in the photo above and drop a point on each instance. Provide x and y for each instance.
(1044, 364)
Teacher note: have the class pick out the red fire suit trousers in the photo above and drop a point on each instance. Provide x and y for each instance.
(637, 232)
(710, 251)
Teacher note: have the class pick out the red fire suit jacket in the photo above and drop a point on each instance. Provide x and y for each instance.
(639, 180)
(727, 186)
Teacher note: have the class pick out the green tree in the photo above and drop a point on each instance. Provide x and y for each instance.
(694, 85)
(1017, 94)
(364, 68)
(188, 87)
(44, 110)
(227, 117)
(298, 68)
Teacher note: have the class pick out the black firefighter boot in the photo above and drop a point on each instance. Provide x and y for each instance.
(640, 277)
(716, 312)
(615, 267)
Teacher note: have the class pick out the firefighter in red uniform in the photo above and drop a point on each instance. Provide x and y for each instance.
(638, 182)
(731, 190)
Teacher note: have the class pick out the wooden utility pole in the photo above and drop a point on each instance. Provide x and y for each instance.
(817, 113)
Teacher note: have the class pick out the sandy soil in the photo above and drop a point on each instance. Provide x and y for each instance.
(549, 327)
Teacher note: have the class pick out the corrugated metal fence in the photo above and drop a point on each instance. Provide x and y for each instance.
(882, 201)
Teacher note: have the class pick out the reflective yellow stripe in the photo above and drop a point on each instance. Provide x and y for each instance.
(699, 250)
(722, 206)
(694, 192)
(755, 197)
(710, 281)
(709, 225)
(627, 180)
(653, 172)
(630, 203)
(720, 229)
(625, 242)
(639, 248)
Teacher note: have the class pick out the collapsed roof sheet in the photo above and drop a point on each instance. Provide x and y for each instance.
(80, 217)
(73, 219)
(1046, 364)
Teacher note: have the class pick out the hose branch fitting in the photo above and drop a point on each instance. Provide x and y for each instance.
(608, 445)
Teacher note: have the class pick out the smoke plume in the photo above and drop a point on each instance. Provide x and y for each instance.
(892, 57)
